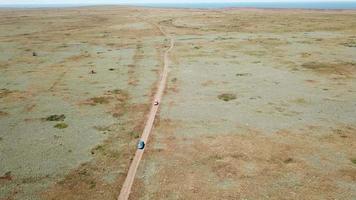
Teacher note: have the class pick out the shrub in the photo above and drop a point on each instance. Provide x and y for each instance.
(227, 97)
(61, 125)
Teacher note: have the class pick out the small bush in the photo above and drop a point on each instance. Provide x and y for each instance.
(135, 134)
(350, 44)
(117, 91)
(56, 118)
(227, 97)
(243, 74)
(288, 160)
(92, 184)
(61, 126)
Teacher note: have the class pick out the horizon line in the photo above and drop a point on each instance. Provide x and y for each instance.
(217, 2)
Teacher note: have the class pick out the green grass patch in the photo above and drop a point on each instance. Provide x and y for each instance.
(300, 101)
(227, 97)
(61, 126)
(56, 118)
(117, 91)
(353, 160)
(351, 43)
(92, 184)
(135, 134)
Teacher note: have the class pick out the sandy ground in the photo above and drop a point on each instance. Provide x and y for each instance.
(260, 104)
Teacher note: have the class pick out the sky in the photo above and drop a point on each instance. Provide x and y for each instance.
(144, 1)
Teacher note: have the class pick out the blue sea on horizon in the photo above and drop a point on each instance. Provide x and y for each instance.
(292, 5)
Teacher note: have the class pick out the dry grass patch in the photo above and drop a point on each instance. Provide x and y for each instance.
(249, 164)
(4, 92)
(3, 114)
(344, 69)
(100, 100)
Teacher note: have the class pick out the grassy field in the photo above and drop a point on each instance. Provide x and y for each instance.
(260, 104)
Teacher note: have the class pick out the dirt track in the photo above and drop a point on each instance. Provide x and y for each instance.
(126, 188)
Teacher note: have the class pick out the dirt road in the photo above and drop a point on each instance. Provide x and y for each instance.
(126, 188)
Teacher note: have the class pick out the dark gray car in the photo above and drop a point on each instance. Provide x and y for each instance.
(141, 144)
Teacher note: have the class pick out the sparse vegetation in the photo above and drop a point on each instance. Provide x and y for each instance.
(351, 43)
(305, 54)
(225, 68)
(102, 128)
(117, 91)
(100, 100)
(342, 68)
(99, 148)
(4, 92)
(135, 134)
(61, 125)
(216, 157)
(2, 113)
(353, 160)
(300, 101)
(92, 184)
(243, 74)
(7, 176)
(56, 117)
(227, 96)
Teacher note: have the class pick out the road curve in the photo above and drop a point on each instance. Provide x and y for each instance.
(126, 188)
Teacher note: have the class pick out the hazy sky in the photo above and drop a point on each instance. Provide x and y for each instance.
(142, 1)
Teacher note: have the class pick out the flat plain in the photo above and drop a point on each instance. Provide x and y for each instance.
(259, 104)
